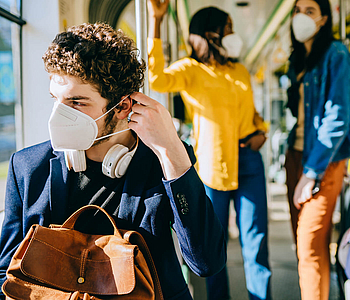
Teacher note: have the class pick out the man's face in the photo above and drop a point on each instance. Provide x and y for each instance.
(83, 97)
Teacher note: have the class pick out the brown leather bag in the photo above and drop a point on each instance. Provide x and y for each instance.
(62, 263)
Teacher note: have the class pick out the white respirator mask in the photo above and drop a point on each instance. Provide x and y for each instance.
(70, 129)
(74, 132)
(232, 45)
(304, 27)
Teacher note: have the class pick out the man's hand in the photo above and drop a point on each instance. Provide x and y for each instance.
(303, 191)
(153, 124)
(255, 142)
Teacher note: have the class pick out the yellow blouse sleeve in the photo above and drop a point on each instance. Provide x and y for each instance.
(259, 122)
(172, 79)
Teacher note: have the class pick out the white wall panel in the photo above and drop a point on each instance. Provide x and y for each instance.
(45, 18)
(42, 19)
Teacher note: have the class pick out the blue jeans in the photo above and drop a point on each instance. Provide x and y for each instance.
(251, 209)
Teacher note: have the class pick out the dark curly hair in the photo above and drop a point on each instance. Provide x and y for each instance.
(100, 56)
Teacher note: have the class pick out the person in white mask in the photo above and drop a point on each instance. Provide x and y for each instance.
(133, 165)
(227, 130)
(319, 143)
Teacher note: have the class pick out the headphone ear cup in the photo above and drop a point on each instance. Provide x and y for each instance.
(112, 158)
(75, 159)
(123, 165)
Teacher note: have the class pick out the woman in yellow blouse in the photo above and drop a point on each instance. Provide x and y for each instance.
(228, 132)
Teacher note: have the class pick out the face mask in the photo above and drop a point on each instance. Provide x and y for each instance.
(233, 44)
(304, 27)
(70, 129)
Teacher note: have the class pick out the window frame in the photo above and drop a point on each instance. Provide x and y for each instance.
(6, 14)
(11, 17)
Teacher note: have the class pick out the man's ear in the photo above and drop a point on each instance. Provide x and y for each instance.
(124, 108)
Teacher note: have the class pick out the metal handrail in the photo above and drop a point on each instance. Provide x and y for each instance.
(141, 35)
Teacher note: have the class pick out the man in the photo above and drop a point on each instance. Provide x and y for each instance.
(139, 171)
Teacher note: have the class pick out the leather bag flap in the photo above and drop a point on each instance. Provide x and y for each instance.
(74, 261)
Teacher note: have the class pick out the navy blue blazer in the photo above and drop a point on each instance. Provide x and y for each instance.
(36, 193)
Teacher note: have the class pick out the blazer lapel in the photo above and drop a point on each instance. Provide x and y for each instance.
(59, 188)
(136, 177)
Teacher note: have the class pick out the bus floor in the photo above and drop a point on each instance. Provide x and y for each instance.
(284, 280)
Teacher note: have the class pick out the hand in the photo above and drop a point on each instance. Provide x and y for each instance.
(303, 191)
(153, 124)
(255, 142)
(157, 9)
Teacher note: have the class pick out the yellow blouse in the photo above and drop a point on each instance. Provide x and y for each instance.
(219, 100)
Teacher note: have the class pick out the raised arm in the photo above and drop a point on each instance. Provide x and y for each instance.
(156, 11)
(199, 230)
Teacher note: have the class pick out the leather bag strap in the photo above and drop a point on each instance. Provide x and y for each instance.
(69, 224)
(131, 236)
(136, 238)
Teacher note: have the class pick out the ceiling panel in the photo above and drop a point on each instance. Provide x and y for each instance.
(248, 21)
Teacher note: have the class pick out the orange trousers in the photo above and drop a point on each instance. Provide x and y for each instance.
(312, 226)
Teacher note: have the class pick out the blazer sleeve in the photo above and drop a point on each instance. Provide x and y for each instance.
(335, 122)
(197, 227)
(11, 234)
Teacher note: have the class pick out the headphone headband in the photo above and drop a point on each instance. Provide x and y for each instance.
(115, 162)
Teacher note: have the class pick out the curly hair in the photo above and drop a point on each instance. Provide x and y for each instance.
(100, 56)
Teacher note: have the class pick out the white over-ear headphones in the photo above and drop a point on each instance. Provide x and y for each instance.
(75, 159)
(115, 162)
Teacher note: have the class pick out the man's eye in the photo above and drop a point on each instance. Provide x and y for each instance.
(77, 103)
